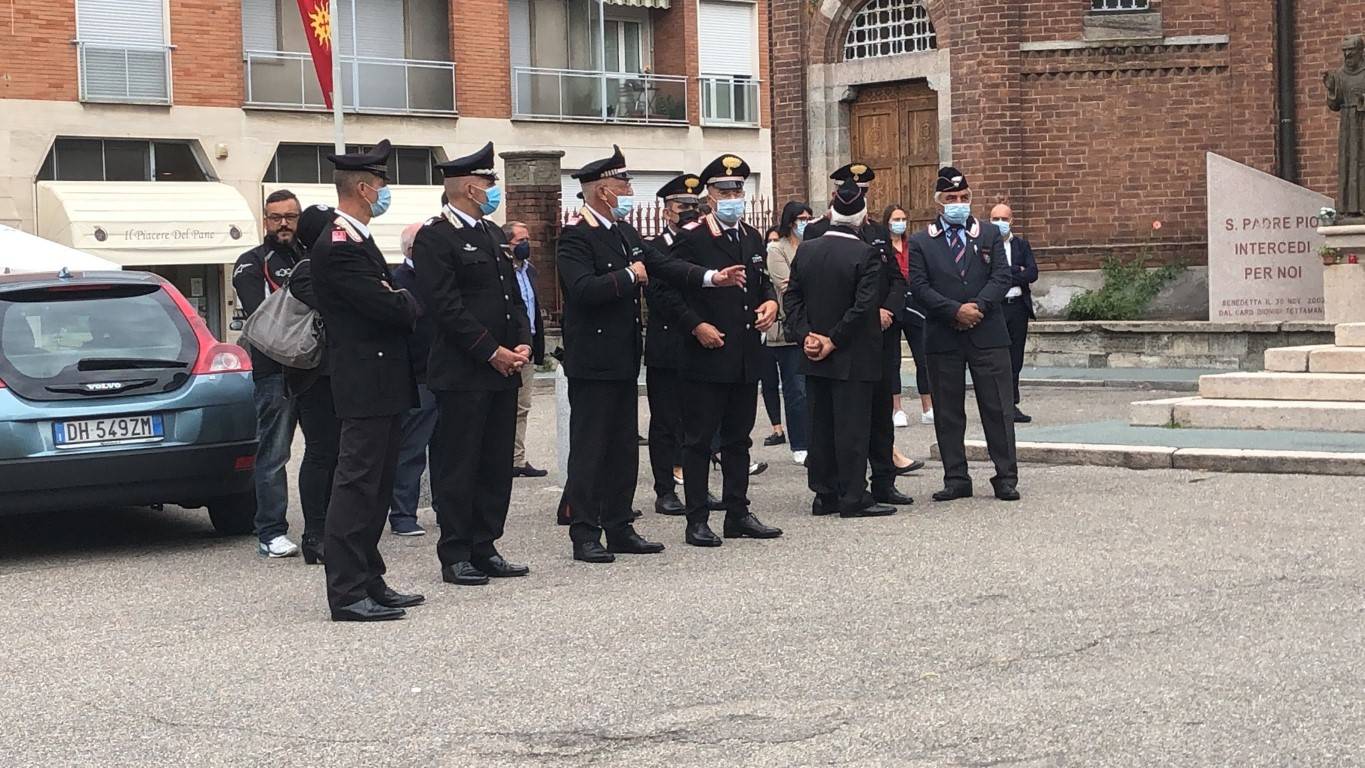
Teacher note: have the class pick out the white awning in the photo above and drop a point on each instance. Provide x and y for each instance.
(22, 252)
(148, 223)
(661, 4)
(410, 204)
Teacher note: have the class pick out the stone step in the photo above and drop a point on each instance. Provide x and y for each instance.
(1337, 360)
(1291, 359)
(1273, 385)
(1298, 415)
(1170, 457)
(1351, 335)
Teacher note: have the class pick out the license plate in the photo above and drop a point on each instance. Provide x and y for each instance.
(113, 430)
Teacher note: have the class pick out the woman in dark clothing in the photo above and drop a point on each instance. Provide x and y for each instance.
(897, 224)
(311, 389)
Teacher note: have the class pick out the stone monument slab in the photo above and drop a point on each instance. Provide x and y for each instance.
(1263, 246)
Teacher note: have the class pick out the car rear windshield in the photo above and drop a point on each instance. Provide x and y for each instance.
(62, 338)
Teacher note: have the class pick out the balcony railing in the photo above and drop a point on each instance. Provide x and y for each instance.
(287, 80)
(599, 97)
(729, 101)
(125, 74)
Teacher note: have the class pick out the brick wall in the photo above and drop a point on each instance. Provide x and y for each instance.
(788, 23)
(39, 60)
(481, 51)
(206, 65)
(675, 50)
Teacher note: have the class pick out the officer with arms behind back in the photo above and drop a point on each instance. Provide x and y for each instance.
(373, 387)
(603, 264)
(959, 274)
(482, 342)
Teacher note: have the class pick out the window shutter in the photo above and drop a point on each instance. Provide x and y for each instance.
(726, 37)
(260, 25)
(379, 28)
(121, 22)
(124, 52)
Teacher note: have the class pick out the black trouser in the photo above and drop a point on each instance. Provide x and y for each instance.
(770, 383)
(914, 336)
(991, 380)
(1016, 319)
(361, 493)
(726, 413)
(665, 427)
(471, 457)
(604, 456)
(836, 466)
(882, 431)
(321, 442)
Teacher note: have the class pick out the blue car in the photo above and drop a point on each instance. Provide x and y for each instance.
(113, 392)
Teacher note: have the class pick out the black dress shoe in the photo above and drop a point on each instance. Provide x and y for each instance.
(822, 506)
(948, 494)
(893, 496)
(1007, 493)
(641, 440)
(871, 510)
(776, 438)
(526, 470)
(464, 574)
(367, 610)
(390, 599)
(1021, 418)
(628, 542)
(714, 504)
(915, 465)
(669, 504)
(758, 468)
(749, 527)
(701, 535)
(592, 552)
(311, 547)
(498, 568)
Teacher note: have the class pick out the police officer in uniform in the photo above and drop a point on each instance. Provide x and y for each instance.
(892, 313)
(722, 356)
(603, 264)
(663, 347)
(482, 342)
(832, 302)
(959, 274)
(368, 323)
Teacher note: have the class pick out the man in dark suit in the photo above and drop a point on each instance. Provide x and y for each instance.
(663, 348)
(959, 275)
(722, 358)
(1018, 305)
(519, 244)
(603, 264)
(368, 322)
(482, 342)
(891, 303)
(831, 304)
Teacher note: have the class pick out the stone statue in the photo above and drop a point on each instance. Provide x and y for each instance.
(1346, 94)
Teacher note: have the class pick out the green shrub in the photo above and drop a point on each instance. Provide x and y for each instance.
(1128, 289)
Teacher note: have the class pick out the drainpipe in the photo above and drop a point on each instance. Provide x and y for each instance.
(1287, 149)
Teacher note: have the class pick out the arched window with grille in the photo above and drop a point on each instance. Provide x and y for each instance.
(888, 28)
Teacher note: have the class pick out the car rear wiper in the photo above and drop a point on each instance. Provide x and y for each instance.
(121, 363)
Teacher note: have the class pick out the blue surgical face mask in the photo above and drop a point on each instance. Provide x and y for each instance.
(624, 205)
(957, 213)
(898, 227)
(1003, 226)
(492, 199)
(383, 197)
(730, 211)
(801, 228)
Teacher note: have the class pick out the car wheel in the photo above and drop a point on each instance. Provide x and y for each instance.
(234, 515)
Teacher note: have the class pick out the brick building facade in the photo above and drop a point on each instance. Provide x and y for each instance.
(1091, 117)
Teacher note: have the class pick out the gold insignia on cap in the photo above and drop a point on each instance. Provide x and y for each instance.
(691, 182)
(858, 170)
(731, 163)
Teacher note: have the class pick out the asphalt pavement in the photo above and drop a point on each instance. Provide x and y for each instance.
(1111, 618)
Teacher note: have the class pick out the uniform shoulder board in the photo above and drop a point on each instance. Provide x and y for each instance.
(975, 229)
(713, 225)
(431, 221)
(691, 225)
(345, 226)
(934, 230)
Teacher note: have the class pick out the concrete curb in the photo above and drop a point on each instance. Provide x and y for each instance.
(1169, 457)
(548, 383)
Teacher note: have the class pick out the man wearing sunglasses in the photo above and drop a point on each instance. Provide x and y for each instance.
(258, 273)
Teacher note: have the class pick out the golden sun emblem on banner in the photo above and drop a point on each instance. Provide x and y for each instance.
(320, 19)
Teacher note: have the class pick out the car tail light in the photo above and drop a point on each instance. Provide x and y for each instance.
(214, 355)
(244, 464)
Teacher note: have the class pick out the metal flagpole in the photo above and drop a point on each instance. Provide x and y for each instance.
(338, 131)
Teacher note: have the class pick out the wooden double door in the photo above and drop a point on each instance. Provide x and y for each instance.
(894, 130)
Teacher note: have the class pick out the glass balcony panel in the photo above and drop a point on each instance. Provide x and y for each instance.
(575, 95)
(287, 80)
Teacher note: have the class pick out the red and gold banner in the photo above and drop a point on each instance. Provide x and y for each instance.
(317, 25)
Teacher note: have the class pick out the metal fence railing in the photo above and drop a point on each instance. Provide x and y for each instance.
(128, 74)
(286, 80)
(607, 97)
(648, 220)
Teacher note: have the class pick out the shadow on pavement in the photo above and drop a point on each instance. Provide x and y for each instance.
(30, 540)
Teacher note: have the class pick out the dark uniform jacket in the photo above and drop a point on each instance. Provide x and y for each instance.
(942, 290)
(894, 288)
(663, 337)
(1023, 270)
(419, 343)
(367, 323)
(601, 324)
(835, 281)
(470, 290)
(258, 273)
(731, 310)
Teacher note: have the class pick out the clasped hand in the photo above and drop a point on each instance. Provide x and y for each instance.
(509, 361)
(968, 317)
(817, 346)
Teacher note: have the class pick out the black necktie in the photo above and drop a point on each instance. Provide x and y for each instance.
(733, 234)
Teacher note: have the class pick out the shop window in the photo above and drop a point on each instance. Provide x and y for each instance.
(889, 28)
(121, 160)
(1119, 5)
(308, 164)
